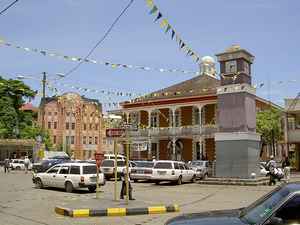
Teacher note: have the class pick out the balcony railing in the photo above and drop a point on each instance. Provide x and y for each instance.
(175, 131)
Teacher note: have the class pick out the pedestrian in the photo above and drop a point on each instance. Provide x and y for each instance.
(270, 166)
(6, 165)
(286, 169)
(271, 163)
(26, 163)
(123, 189)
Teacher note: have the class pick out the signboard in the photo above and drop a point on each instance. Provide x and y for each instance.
(115, 132)
(99, 157)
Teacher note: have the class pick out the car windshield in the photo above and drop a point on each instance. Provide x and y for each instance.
(89, 169)
(108, 163)
(198, 163)
(163, 165)
(262, 208)
(144, 164)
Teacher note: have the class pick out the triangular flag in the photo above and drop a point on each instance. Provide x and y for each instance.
(173, 34)
(159, 15)
(163, 23)
(168, 28)
(149, 3)
(153, 10)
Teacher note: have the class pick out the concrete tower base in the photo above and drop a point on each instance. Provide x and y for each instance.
(237, 154)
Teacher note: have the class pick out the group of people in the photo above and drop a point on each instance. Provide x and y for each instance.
(276, 173)
(8, 161)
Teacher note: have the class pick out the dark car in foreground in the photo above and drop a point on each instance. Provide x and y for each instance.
(279, 207)
(47, 163)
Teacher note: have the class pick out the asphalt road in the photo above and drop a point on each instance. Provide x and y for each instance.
(21, 203)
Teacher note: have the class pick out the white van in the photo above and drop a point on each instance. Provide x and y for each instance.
(112, 156)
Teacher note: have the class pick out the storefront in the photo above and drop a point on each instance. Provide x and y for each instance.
(16, 148)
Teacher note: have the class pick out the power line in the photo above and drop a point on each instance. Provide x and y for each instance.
(11, 4)
(100, 41)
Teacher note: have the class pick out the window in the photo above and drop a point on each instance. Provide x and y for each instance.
(154, 119)
(55, 113)
(91, 126)
(96, 127)
(90, 140)
(73, 126)
(67, 126)
(230, 66)
(108, 163)
(84, 126)
(104, 141)
(64, 170)
(68, 113)
(72, 140)
(181, 166)
(121, 163)
(163, 165)
(49, 125)
(54, 169)
(290, 211)
(84, 140)
(55, 125)
(49, 113)
(75, 170)
(54, 139)
(96, 140)
(67, 140)
(89, 169)
(176, 166)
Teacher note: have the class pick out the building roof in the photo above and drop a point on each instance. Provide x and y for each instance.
(28, 107)
(201, 85)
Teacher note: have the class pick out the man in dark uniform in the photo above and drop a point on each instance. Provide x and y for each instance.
(123, 189)
(6, 165)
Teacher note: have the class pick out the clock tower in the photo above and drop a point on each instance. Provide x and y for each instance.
(237, 143)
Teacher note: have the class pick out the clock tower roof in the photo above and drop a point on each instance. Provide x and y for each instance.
(235, 52)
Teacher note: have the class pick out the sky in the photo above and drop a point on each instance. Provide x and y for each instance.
(269, 29)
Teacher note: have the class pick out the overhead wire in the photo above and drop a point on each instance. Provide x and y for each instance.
(100, 41)
(6, 8)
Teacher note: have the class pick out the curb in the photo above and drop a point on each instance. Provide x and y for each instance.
(116, 211)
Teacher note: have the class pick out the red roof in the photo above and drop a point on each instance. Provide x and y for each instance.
(29, 107)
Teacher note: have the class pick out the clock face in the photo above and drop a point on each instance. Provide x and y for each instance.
(231, 66)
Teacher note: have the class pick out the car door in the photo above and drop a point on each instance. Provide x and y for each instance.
(189, 172)
(61, 176)
(49, 177)
(288, 213)
(183, 172)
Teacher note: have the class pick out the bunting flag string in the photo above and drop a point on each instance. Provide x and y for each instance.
(164, 24)
(99, 62)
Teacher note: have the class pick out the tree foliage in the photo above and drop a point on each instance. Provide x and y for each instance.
(268, 124)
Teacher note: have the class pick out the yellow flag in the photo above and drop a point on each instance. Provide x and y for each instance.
(163, 23)
(150, 3)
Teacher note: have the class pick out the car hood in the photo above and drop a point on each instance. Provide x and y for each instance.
(224, 217)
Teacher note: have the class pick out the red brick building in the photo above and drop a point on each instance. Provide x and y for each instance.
(74, 123)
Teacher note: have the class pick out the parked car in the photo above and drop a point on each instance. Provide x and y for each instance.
(18, 164)
(279, 207)
(142, 171)
(173, 171)
(108, 165)
(45, 164)
(69, 176)
(201, 168)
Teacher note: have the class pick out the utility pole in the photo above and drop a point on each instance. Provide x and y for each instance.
(44, 80)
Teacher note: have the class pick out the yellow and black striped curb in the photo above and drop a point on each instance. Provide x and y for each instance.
(116, 211)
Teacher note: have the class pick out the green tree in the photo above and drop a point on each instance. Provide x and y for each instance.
(268, 124)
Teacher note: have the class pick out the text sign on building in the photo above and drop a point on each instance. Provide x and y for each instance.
(115, 132)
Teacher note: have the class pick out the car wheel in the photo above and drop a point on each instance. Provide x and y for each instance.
(39, 183)
(135, 180)
(92, 189)
(69, 187)
(18, 168)
(157, 182)
(205, 176)
(179, 181)
(193, 179)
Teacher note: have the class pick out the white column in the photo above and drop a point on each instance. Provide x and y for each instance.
(200, 129)
(174, 148)
(149, 134)
(149, 118)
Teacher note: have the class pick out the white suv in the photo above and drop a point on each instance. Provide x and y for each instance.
(174, 171)
(70, 176)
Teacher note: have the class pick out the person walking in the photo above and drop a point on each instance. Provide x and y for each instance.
(6, 165)
(286, 169)
(26, 163)
(123, 189)
(270, 166)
